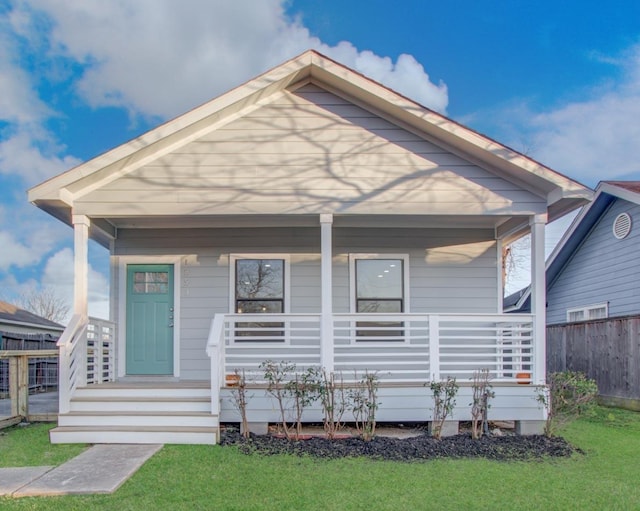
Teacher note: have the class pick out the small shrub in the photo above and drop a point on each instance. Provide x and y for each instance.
(482, 392)
(276, 375)
(303, 390)
(364, 403)
(240, 399)
(444, 398)
(333, 401)
(567, 396)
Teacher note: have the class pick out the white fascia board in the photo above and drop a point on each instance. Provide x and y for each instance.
(620, 192)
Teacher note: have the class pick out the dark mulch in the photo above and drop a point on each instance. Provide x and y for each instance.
(424, 447)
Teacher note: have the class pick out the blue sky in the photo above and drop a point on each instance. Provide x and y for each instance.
(559, 81)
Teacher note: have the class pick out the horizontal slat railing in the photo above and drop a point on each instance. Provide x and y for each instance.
(395, 346)
(100, 351)
(250, 339)
(400, 348)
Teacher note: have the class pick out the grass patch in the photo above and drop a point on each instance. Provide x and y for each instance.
(204, 477)
(29, 446)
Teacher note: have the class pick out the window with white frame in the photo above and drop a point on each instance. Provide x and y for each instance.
(379, 284)
(258, 286)
(588, 312)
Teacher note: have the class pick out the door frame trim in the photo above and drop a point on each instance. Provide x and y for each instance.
(123, 262)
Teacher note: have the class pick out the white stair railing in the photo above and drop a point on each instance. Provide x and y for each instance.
(73, 359)
(215, 351)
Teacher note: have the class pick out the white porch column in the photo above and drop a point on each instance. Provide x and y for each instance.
(81, 264)
(326, 322)
(538, 297)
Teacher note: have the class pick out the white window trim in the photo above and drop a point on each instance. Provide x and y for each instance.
(352, 277)
(585, 309)
(287, 277)
(123, 262)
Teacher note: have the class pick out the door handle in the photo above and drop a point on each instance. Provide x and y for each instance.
(171, 325)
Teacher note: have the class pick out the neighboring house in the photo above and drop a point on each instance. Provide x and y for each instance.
(16, 320)
(310, 215)
(595, 271)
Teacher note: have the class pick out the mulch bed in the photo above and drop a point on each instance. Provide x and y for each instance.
(420, 448)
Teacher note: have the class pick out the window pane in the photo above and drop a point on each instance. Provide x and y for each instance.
(379, 306)
(576, 315)
(259, 278)
(379, 278)
(599, 313)
(259, 307)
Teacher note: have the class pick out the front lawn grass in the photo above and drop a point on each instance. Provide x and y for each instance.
(29, 446)
(201, 477)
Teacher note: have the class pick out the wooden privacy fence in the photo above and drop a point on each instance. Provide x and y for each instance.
(19, 381)
(43, 371)
(607, 350)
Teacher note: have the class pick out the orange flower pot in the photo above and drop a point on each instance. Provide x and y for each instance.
(523, 378)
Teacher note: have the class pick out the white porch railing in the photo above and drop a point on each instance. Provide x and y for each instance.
(86, 356)
(401, 348)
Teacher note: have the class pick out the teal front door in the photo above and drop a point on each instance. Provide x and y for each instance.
(150, 319)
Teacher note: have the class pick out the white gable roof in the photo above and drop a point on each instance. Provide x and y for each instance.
(59, 195)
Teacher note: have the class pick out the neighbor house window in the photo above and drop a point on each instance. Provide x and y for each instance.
(259, 288)
(589, 312)
(379, 286)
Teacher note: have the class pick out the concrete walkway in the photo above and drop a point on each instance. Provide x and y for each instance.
(100, 469)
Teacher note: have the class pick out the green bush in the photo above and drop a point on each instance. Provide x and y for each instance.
(568, 395)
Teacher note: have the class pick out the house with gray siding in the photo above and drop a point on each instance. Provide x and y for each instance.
(594, 272)
(310, 215)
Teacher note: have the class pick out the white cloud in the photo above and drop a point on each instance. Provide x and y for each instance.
(160, 57)
(19, 101)
(15, 253)
(33, 156)
(58, 274)
(592, 139)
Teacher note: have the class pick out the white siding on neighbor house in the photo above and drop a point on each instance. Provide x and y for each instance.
(310, 151)
(451, 270)
(603, 269)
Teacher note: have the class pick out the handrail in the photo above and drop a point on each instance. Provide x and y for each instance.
(215, 351)
(73, 359)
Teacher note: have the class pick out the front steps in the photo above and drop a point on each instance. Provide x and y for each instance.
(140, 413)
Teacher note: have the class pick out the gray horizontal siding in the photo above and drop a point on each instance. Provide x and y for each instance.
(603, 269)
(397, 404)
(451, 270)
(310, 151)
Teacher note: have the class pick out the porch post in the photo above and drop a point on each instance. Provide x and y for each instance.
(326, 321)
(81, 264)
(538, 297)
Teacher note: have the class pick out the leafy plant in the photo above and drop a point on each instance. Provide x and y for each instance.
(276, 375)
(304, 390)
(567, 395)
(240, 399)
(333, 401)
(364, 403)
(444, 399)
(482, 392)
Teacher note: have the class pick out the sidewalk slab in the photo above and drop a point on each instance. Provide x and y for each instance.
(100, 469)
(12, 479)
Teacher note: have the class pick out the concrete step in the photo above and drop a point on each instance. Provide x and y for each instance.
(133, 435)
(143, 404)
(138, 419)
